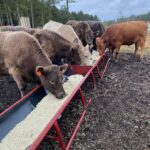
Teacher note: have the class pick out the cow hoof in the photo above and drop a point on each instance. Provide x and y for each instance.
(116, 62)
(142, 61)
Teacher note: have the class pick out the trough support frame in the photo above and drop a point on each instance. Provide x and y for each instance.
(85, 106)
(105, 60)
(59, 136)
(100, 72)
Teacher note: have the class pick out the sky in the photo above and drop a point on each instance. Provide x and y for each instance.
(111, 9)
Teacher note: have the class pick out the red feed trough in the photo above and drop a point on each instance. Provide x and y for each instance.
(27, 104)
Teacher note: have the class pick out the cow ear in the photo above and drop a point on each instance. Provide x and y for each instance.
(82, 31)
(37, 35)
(72, 49)
(75, 48)
(40, 70)
(97, 34)
(75, 45)
(76, 40)
(63, 68)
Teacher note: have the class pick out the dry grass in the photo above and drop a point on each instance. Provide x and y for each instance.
(132, 47)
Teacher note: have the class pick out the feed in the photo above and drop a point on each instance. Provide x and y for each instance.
(95, 56)
(25, 133)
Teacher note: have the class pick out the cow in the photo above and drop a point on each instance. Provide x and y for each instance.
(26, 61)
(69, 34)
(126, 33)
(83, 31)
(98, 29)
(57, 47)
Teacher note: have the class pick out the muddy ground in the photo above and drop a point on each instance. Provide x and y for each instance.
(119, 115)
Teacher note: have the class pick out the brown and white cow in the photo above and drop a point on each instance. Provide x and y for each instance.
(127, 33)
(83, 31)
(69, 34)
(22, 57)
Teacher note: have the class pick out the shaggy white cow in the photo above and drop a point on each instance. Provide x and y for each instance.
(69, 34)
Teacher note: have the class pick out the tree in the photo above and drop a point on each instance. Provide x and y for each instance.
(39, 12)
(32, 13)
(67, 4)
(18, 10)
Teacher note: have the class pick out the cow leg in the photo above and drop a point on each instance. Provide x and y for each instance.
(18, 79)
(136, 48)
(142, 46)
(116, 52)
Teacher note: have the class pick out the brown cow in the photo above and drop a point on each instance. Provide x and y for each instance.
(58, 47)
(22, 57)
(127, 33)
(83, 31)
(54, 45)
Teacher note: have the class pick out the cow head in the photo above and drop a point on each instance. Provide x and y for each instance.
(85, 56)
(74, 57)
(88, 37)
(52, 78)
(100, 45)
(96, 34)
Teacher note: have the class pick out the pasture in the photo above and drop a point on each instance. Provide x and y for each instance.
(119, 116)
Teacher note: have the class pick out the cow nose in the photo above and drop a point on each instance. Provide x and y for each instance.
(60, 95)
(90, 46)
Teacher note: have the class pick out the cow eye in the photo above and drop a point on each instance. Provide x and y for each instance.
(52, 82)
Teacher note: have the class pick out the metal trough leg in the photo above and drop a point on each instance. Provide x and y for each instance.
(80, 120)
(58, 132)
(98, 72)
(94, 82)
(82, 98)
(104, 63)
(105, 66)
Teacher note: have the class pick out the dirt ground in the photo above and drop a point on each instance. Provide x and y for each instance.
(119, 115)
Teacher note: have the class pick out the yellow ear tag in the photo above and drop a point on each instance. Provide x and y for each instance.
(39, 73)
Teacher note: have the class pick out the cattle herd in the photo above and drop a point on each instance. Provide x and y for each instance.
(43, 55)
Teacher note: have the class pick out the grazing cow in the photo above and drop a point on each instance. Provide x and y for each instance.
(99, 44)
(98, 29)
(58, 47)
(69, 34)
(26, 61)
(55, 46)
(127, 33)
(83, 31)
